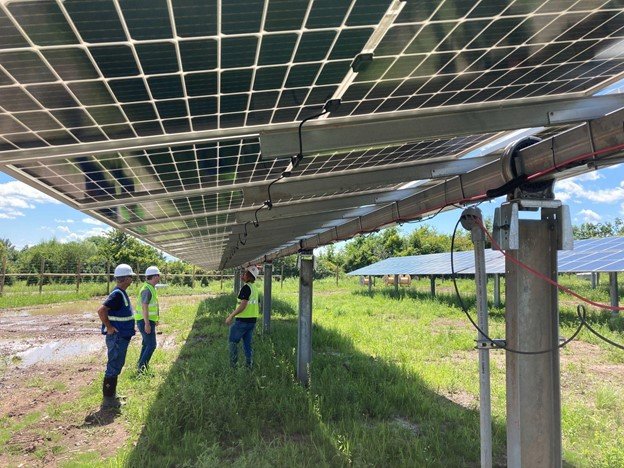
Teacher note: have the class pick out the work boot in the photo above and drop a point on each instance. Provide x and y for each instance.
(109, 386)
(109, 402)
(109, 391)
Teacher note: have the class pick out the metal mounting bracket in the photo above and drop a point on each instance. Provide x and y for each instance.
(506, 219)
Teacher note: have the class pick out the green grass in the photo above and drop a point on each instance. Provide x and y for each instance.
(394, 383)
(20, 295)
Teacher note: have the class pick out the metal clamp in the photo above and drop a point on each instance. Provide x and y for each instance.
(494, 344)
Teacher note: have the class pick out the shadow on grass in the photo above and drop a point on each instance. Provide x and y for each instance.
(358, 409)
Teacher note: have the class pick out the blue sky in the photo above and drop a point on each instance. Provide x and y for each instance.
(28, 216)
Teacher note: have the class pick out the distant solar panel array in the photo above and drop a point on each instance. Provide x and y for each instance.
(151, 78)
(589, 256)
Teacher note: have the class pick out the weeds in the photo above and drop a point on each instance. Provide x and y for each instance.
(394, 383)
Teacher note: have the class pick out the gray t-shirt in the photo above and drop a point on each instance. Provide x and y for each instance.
(146, 296)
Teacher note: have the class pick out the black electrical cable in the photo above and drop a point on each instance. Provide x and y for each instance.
(269, 202)
(474, 324)
(589, 327)
(295, 162)
(323, 112)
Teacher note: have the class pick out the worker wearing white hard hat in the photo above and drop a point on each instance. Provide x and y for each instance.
(117, 319)
(242, 320)
(148, 316)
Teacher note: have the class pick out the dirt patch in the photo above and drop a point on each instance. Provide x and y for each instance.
(462, 398)
(445, 324)
(44, 435)
(50, 355)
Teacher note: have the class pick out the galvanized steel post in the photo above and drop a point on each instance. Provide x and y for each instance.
(532, 324)
(304, 334)
(471, 220)
(614, 292)
(497, 296)
(266, 305)
(237, 280)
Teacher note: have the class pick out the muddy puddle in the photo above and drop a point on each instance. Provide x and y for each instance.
(55, 351)
(56, 332)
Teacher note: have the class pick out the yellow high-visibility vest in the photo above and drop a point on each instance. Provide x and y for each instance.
(253, 309)
(152, 307)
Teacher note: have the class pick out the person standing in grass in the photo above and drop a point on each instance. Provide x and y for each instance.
(147, 318)
(244, 318)
(118, 325)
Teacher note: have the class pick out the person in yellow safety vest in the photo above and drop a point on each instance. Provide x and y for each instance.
(147, 318)
(246, 314)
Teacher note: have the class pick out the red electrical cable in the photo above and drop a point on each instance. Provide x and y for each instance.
(540, 275)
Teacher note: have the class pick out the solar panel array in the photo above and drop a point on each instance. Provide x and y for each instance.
(77, 73)
(589, 256)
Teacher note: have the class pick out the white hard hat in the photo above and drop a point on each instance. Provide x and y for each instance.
(122, 270)
(152, 270)
(253, 269)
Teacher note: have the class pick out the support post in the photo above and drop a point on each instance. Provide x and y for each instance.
(41, 275)
(594, 280)
(432, 280)
(221, 280)
(497, 297)
(237, 280)
(78, 276)
(469, 222)
(614, 293)
(3, 274)
(532, 324)
(396, 284)
(370, 284)
(304, 334)
(282, 278)
(193, 278)
(266, 306)
(107, 277)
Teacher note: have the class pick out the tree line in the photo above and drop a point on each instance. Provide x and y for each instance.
(99, 254)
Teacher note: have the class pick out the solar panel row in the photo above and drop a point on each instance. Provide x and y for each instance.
(590, 255)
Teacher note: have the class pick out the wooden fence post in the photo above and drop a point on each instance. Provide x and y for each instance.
(221, 280)
(78, 276)
(41, 275)
(193, 278)
(4, 261)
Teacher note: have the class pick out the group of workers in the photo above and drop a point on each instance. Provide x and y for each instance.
(119, 319)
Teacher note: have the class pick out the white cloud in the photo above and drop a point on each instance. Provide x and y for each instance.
(590, 216)
(563, 196)
(95, 222)
(63, 229)
(82, 234)
(590, 176)
(64, 221)
(569, 188)
(16, 196)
